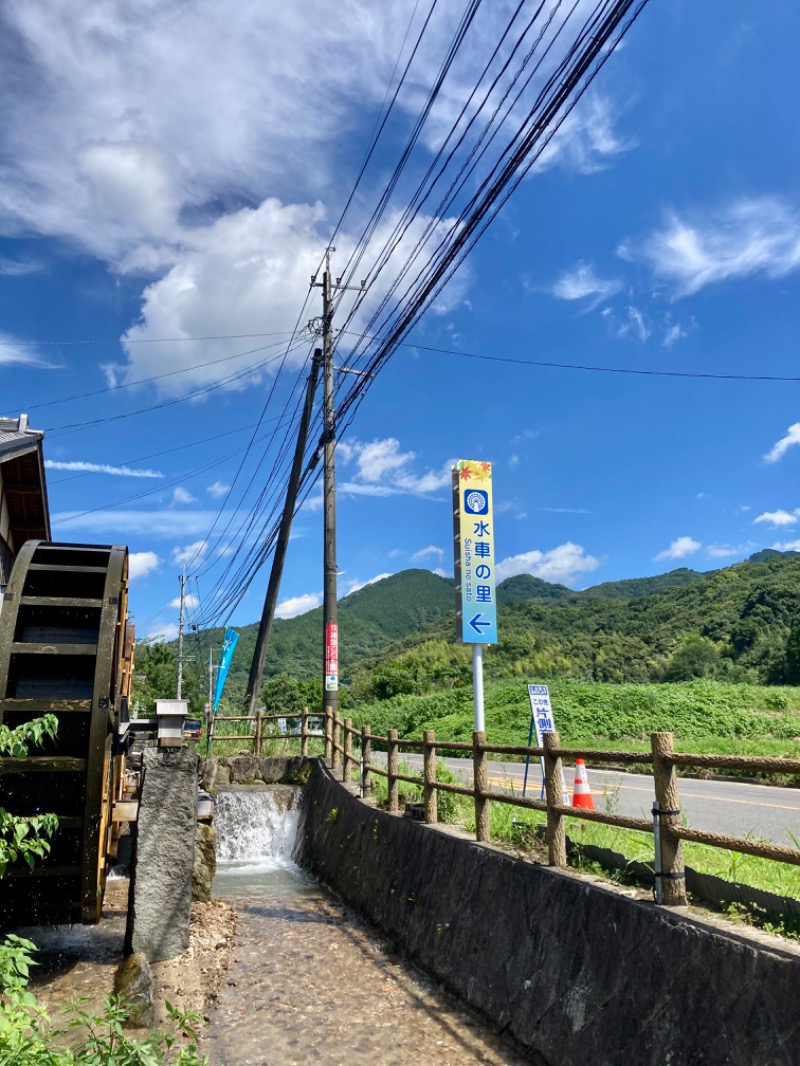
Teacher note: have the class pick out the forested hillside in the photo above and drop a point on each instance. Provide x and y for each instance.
(741, 623)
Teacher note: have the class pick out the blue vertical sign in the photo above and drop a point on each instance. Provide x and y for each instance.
(476, 602)
(224, 664)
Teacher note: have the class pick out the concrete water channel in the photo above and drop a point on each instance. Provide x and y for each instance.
(309, 982)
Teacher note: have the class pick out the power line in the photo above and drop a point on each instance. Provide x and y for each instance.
(599, 369)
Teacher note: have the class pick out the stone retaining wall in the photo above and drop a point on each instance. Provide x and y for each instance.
(573, 971)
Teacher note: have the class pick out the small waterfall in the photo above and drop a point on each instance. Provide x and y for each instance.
(257, 825)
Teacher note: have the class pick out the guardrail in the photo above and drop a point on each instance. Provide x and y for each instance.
(340, 737)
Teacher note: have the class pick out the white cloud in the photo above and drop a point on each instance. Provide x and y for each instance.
(758, 235)
(680, 548)
(166, 524)
(154, 137)
(180, 495)
(787, 546)
(100, 468)
(778, 518)
(192, 553)
(780, 448)
(582, 282)
(18, 268)
(190, 600)
(441, 572)
(427, 553)
(347, 587)
(385, 470)
(162, 632)
(725, 551)
(561, 564)
(141, 563)
(13, 350)
(381, 457)
(296, 605)
(673, 335)
(218, 489)
(586, 141)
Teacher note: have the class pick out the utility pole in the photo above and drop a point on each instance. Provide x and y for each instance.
(330, 684)
(180, 633)
(330, 667)
(271, 599)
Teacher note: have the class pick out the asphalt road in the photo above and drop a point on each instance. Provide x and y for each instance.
(731, 807)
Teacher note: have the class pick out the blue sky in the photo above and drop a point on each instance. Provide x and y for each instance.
(173, 174)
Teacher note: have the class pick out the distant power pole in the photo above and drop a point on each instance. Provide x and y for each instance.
(180, 633)
(271, 599)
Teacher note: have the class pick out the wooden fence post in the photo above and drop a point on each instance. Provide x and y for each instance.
(337, 736)
(673, 876)
(259, 733)
(554, 779)
(348, 749)
(328, 728)
(304, 732)
(480, 777)
(366, 756)
(429, 772)
(392, 759)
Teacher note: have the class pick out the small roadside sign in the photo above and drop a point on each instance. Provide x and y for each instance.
(542, 721)
(541, 712)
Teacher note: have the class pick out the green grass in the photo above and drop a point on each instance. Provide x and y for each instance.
(710, 717)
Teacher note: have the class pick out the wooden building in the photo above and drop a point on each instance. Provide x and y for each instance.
(24, 512)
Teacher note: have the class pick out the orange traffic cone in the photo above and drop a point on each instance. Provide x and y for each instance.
(581, 793)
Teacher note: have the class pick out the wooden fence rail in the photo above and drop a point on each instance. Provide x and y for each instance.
(349, 750)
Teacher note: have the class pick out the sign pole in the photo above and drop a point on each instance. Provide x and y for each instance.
(477, 687)
(527, 760)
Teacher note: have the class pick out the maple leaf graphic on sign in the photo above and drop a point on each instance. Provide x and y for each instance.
(470, 470)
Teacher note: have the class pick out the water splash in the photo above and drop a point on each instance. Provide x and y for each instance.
(254, 825)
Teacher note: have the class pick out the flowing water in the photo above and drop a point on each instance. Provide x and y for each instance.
(309, 982)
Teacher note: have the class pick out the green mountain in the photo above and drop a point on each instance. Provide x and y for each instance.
(740, 623)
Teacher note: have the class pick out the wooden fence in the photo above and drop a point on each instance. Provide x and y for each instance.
(350, 751)
(256, 734)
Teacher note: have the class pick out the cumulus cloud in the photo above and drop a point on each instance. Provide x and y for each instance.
(218, 489)
(562, 564)
(383, 469)
(180, 495)
(757, 235)
(204, 174)
(100, 468)
(778, 518)
(680, 548)
(141, 564)
(780, 448)
(787, 546)
(296, 605)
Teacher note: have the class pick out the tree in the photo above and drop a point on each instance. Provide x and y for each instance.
(696, 656)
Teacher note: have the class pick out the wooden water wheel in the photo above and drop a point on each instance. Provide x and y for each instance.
(66, 649)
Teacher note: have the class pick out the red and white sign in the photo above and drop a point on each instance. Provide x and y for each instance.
(331, 657)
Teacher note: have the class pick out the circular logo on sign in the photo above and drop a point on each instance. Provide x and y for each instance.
(475, 501)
